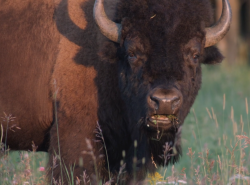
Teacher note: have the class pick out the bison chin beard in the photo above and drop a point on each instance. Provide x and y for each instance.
(155, 147)
(165, 146)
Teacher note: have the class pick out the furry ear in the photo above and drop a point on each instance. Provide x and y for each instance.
(212, 55)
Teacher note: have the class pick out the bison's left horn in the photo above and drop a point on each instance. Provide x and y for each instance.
(215, 33)
(108, 28)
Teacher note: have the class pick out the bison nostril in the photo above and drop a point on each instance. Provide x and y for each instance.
(165, 101)
(154, 102)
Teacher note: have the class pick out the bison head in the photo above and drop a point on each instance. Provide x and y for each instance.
(161, 46)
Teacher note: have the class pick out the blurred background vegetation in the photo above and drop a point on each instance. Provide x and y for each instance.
(236, 45)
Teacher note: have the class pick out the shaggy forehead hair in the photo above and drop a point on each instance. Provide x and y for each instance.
(159, 15)
(163, 26)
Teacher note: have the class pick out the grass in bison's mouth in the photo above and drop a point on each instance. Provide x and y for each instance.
(162, 121)
(163, 117)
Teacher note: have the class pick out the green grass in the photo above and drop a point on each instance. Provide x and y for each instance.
(23, 168)
(200, 132)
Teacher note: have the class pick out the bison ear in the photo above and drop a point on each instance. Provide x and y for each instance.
(212, 55)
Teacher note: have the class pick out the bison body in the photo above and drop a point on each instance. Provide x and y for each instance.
(82, 80)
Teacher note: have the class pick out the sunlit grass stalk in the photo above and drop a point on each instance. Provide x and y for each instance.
(6, 135)
(122, 166)
(51, 180)
(216, 121)
(105, 148)
(54, 158)
(235, 129)
(165, 171)
(223, 124)
(34, 148)
(240, 146)
(57, 130)
(91, 153)
(6, 148)
(196, 121)
(33, 167)
(246, 102)
(223, 113)
(70, 176)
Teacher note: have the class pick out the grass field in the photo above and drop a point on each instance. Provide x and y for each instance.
(212, 150)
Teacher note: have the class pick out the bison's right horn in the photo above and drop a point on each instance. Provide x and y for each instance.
(215, 33)
(108, 28)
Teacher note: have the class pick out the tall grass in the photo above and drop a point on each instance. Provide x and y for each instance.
(215, 133)
(215, 139)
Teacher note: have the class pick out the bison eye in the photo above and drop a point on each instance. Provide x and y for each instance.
(196, 56)
(131, 56)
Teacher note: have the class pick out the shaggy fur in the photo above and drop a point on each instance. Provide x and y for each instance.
(54, 60)
(28, 49)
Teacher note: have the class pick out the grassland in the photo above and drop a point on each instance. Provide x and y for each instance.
(214, 147)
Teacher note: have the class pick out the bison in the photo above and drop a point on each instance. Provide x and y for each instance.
(86, 79)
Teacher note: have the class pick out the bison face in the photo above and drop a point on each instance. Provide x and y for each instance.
(158, 98)
(160, 57)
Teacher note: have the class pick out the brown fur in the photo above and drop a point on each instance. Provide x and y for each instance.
(27, 62)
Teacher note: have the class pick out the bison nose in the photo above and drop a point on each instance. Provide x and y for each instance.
(165, 101)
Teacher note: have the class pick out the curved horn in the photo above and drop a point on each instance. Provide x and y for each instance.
(108, 28)
(215, 33)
